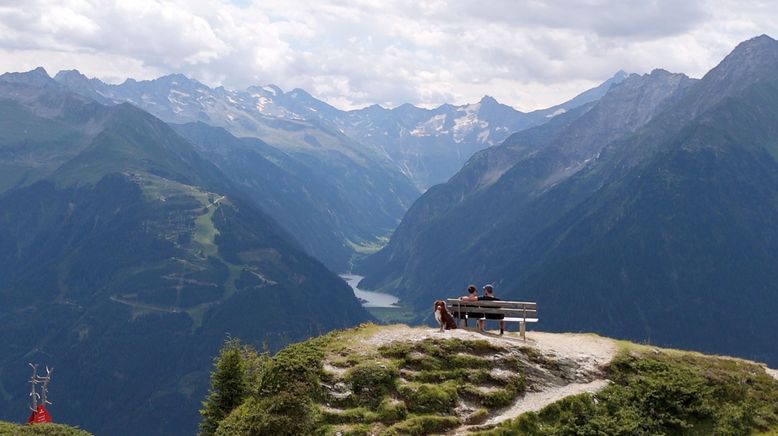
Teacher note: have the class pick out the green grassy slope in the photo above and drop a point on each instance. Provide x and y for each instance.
(663, 392)
(348, 383)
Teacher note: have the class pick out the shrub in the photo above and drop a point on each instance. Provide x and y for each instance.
(349, 416)
(498, 397)
(391, 411)
(429, 398)
(297, 367)
(424, 424)
(436, 376)
(370, 382)
(248, 418)
(477, 417)
(282, 414)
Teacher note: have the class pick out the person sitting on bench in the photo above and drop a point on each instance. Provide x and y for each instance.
(489, 296)
(472, 295)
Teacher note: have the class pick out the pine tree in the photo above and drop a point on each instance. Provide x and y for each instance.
(229, 386)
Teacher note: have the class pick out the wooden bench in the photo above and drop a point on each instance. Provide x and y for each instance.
(513, 311)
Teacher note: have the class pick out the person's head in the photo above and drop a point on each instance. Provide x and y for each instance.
(472, 289)
(488, 289)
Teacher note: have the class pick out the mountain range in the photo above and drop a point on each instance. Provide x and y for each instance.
(431, 145)
(426, 145)
(126, 258)
(367, 166)
(131, 246)
(650, 214)
(364, 195)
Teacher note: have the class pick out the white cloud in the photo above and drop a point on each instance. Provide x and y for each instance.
(529, 54)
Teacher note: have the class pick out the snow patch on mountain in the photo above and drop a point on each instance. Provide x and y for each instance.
(466, 124)
(559, 111)
(432, 126)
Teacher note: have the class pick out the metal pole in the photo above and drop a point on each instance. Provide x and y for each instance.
(33, 381)
(45, 386)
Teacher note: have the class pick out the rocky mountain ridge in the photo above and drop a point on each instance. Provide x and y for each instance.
(427, 145)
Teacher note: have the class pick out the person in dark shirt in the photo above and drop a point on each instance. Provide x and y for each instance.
(489, 296)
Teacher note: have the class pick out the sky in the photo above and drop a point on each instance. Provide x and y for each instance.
(353, 53)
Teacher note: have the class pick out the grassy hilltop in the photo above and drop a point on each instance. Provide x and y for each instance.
(402, 380)
(7, 428)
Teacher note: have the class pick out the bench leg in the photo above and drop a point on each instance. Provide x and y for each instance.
(523, 330)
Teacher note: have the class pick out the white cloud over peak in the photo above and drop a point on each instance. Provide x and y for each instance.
(352, 53)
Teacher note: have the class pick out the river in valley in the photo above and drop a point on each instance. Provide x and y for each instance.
(371, 299)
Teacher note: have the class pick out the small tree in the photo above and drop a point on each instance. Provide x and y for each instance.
(229, 385)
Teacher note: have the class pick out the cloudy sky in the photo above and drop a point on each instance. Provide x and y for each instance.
(351, 53)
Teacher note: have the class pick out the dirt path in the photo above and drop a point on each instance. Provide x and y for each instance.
(534, 401)
(588, 354)
(142, 306)
(590, 351)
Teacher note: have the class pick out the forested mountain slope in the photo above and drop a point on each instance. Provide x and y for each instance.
(125, 260)
(663, 230)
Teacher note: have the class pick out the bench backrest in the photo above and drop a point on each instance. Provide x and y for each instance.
(513, 309)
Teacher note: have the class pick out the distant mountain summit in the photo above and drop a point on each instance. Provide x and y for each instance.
(750, 61)
(648, 215)
(430, 145)
(36, 77)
